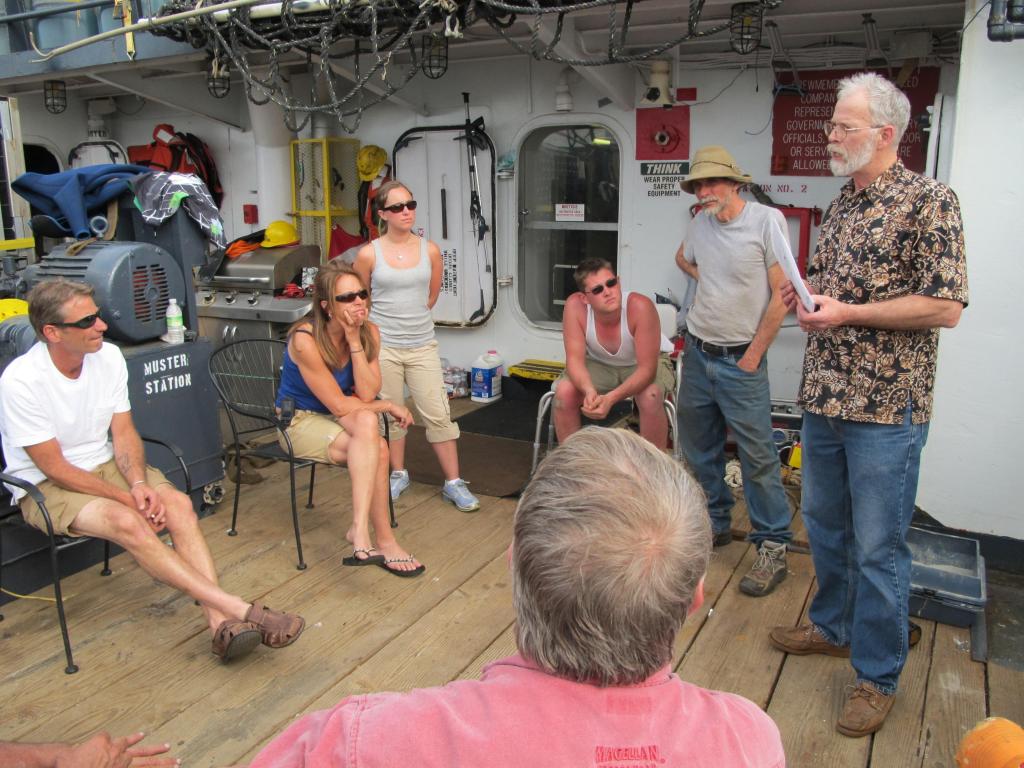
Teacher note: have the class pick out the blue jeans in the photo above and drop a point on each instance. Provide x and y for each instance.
(713, 394)
(859, 485)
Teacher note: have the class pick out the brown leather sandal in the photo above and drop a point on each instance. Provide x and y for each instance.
(277, 628)
(235, 638)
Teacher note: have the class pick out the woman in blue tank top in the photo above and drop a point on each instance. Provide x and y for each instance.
(331, 374)
(404, 270)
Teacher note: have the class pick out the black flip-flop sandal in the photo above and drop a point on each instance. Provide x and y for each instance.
(385, 564)
(355, 560)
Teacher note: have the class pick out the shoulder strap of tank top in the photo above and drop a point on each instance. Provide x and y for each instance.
(377, 250)
(303, 330)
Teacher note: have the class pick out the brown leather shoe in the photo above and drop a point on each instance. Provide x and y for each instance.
(804, 640)
(865, 711)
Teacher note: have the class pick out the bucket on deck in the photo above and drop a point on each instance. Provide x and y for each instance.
(486, 378)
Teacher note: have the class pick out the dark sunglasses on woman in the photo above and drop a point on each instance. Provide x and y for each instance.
(611, 282)
(348, 298)
(399, 207)
(86, 322)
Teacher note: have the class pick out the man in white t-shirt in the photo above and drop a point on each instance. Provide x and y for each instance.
(613, 348)
(57, 403)
(732, 250)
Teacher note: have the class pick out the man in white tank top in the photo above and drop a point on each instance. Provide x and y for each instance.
(732, 250)
(611, 353)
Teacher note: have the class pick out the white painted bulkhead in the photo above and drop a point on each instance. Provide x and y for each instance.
(966, 473)
(969, 472)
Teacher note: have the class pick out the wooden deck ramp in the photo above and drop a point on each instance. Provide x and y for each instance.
(145, 660)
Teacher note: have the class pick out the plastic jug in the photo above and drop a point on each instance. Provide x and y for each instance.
(485, 385)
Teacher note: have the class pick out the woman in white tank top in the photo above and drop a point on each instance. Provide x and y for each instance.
(404, 272)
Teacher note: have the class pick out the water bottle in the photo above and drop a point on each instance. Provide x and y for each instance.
(175, 323)
(486, 378)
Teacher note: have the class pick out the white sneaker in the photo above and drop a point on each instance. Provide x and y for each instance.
(399, 482)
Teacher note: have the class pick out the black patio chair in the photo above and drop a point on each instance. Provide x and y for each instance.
(247, 375)
(10, 514)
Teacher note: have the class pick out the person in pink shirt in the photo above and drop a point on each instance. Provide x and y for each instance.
(609, 550)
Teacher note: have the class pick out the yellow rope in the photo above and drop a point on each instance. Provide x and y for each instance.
(33, 597)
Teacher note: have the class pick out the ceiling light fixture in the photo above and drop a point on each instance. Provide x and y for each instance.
(55, 96)
(874, 56)
(218, 79)
(745, 27)
(781, 62)
(434, 50)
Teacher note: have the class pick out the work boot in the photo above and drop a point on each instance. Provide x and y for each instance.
(399, 482)
(458, 494)
(805, 639)
(768, 570)
(865, 711)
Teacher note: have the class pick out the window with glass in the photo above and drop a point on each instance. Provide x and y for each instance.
(568, 210)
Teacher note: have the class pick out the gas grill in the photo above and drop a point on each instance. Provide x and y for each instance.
(241, 301)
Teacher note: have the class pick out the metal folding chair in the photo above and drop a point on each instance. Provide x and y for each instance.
(667, 318)
(10, 514)
(247, 375)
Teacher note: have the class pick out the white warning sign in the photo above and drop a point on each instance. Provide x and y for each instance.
(662, 178)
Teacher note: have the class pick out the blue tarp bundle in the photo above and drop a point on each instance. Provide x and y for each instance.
(71, 197)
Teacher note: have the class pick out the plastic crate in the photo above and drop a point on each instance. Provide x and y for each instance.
(947, 583)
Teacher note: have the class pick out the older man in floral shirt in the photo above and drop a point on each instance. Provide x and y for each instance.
(889, 271)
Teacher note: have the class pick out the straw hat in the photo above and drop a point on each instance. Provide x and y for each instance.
(713, 163)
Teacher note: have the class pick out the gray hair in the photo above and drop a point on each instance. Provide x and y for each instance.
(47, 299)
(611, 539)
(887, 104)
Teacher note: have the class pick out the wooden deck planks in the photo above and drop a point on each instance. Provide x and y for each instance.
(899, 744)
(144, 650)
(956, 696)
(1005, 692)
(740, 624)
(806, 704)
(347, 627)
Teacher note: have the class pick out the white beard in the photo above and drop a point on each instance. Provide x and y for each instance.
(849, 163)
(712, 208)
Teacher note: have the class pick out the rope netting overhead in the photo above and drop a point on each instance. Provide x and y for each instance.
(350, 46)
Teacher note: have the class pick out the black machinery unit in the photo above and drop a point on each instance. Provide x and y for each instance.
(173, 398)
(180, 236)
(133, 282)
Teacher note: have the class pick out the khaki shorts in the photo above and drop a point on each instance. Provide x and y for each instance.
(419, 369)
(607, 377)
(64, 505)
(311, 434)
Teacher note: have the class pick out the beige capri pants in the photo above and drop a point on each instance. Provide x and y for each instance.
(419, 368)
(311, 434)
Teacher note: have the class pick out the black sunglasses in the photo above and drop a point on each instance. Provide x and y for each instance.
(86, 322)
(399, 207)
(348, 298)
(611, 282)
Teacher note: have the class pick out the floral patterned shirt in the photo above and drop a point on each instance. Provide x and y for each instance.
(899, 236)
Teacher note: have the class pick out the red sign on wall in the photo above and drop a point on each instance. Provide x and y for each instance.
(799, 145)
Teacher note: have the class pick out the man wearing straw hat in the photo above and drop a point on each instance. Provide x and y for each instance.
(732, 251)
